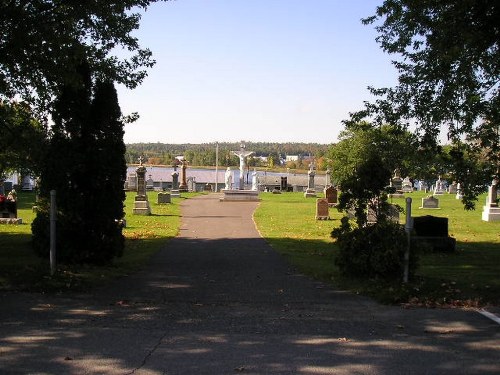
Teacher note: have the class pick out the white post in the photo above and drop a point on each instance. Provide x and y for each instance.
(53, 219)
(216, 165)
(408, 228)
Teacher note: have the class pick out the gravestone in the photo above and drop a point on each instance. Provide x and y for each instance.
(175, 185)
(430, 203)
(491, 211)
(141, 203)
(175, 181)
(407, 186)
(322, 209)
(453, 188)
(439, 187)
(396, 181)
(433, 231)
(310, 191)
(331, 195)
(149, 183)
(459, 192)
(392, 214)
(284, 183)
(164, 198)
(183, 187)
(430, 226)
(132, 182)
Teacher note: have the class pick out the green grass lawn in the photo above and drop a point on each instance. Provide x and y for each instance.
(470, 276)
(20, 269)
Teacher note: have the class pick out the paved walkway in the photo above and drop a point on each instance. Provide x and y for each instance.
(218, 300)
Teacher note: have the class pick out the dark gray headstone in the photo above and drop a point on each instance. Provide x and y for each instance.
(430, 226)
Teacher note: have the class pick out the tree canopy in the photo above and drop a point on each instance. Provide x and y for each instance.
(448, 60)
(449, 65)
(394, 147)
(42, 41)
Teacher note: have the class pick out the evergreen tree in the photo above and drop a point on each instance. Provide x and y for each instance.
(86, 166)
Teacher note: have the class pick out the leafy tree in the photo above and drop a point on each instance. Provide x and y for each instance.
(23, 139)
(449, 68)
(395, 147)
(376, 250)
(86, 166)
(42, 42)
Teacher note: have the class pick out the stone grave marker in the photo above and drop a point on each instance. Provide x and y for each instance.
(310, 191)
(149, 183)
(396, 180)
(433, 231)
(174, 192)
(331, 195)
(392, 214)
(439, 187)
(407, 186)
(141, 203)
(164, 197)
(491, 211)
(132, 182)
(430, 202)
(452, 189)
(322, 209)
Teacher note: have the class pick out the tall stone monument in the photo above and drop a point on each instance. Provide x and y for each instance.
(174, 192)
(141, 203)
(183, 187)
(491, 211)
(310, 191)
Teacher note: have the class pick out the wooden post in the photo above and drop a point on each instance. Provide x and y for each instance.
(53, 219)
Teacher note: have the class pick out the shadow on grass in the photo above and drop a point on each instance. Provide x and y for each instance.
(467, 277)
(22, 270)
(165, 215)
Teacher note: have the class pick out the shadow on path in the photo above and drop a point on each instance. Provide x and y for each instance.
(218, 300)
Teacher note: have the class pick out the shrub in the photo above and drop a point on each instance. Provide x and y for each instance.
(372, 251)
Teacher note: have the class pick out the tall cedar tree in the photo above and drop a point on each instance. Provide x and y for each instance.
(86, 166)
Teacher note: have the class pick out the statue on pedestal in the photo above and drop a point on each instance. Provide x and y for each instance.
(242, 154)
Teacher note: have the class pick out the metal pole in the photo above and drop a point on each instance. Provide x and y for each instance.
(53, 219)
(408, 229)
(216, 166)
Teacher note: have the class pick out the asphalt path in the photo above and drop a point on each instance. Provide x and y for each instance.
(218, 300)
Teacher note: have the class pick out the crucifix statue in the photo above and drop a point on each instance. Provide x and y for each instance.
(242, 154)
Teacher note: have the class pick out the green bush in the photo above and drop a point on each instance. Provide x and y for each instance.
(372, 251)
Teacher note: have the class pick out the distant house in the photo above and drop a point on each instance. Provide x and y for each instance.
(292, 158)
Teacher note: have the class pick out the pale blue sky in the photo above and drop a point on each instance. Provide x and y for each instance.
(254, 70)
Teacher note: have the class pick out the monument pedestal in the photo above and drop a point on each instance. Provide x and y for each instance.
(239, 195)
(491, 213)
(141, 206)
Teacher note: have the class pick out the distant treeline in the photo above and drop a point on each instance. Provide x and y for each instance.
(265, 154)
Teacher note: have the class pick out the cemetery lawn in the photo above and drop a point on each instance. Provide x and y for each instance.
(470, 277)
(21, 269)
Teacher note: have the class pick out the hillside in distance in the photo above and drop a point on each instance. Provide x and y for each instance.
(204, 154)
